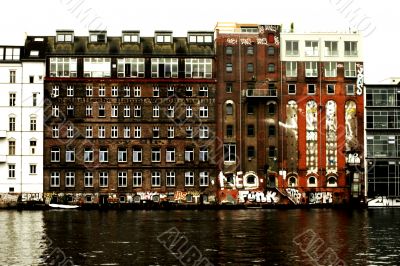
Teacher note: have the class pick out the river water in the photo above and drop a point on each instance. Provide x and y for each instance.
(225, 237)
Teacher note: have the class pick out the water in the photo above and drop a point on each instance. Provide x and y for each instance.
(230, 237)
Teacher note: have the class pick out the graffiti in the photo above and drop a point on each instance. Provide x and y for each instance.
(231, 41)
(292, 135)
(320, 197)
(258, 196)
(273, 28)
(32, 196)
(246, 41)
(351, 125)
(311, 140)
(151, 195)
(261, 29)
(276, 40)
(262, 41)
(360, 80)
(294, 194)
(331, 128)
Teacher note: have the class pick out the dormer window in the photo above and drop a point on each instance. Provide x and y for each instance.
(98, 37)
(163, 37)
(249, 29)
(34, 53)
(38, 39)
(130, 37)
(65, 36)
(200, 38)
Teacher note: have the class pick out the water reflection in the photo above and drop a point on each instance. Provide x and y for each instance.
(240, 237)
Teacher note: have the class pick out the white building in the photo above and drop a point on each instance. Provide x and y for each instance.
(21, 121)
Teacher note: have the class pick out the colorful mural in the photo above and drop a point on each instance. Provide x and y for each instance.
(331, 138)
(311, 137)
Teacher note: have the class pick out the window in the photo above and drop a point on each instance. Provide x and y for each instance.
(114, 131)
(70, 91)
(137, 155)
(251, 153)
(114, 111)
(203, 132)
(137, 111)
(156, 132)
(70, 132)
(204, 179)
(203, 91)
(55, 91)
(127, 111)
(198, 68)
(271, 50)
(122, 179)
(250, 130)
(156, 111)
(89, 90)
(229, 67)
(271, 152)
(164, 67)
(96, 67)
(88, 155)
(312, 181)
(250, 108)
(271, 107)
(229, 131)
(228, 50)
(11, 123)
(311, 69)
(229, 87)
(103, 154)
(55, 131)
(127, 91)
(89, 111)
(33, 124)
(130, 67)
(331, 48)
(189, 91)
(156, 179)
(55, 110)
(137, 179)
(11, 171)
(170, 179)
(88, 180)
(291, 69)
(311, 48)
(189, 132)
(170, 132)
(102, 90)
(137, 132)
(34, 99)
(229, 109)
(103, 179)
(271, 68)
(230, 152)
(114, 91)
(55, 154)
(137, 91)
(127, 132)
(271, 130)
(102, 110)
(311, 88)
(55, 179)
(203, 111)
(171, 111)
(156, 155)
(89, 132)
(70, 155)
(350, 48)
(330, 69)
(70, 110)
(189, 111)
(189, 154)
(291, 88)
(64, 37)
(350, 69)
(70, 179)
(32, 144)
(203, 155)
(170, 155)
(189, 178)
(250, 50)
(63, 67)
(11, 147)
(330, 89)
(350, 89)
(156, 91)
(12, 98)
(170, 91)
(292, 48)
(12, 76)
(250, 67)
(32, 169)
(101, 132)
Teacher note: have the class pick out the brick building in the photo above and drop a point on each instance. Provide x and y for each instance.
(130, 118)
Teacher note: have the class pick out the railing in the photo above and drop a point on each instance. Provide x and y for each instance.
(261, 93)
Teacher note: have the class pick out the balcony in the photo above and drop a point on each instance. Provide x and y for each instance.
(257, 93)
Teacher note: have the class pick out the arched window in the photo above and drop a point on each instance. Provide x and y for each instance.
(292, 181)
(251, 180)
(229, 109)
(312, 181)
(332, 181)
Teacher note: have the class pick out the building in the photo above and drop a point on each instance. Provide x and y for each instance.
(248, 79)
(130, 118)
(22, 71)
(382, 107)
(321, 122)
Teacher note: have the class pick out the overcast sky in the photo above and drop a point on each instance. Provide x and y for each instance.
(376, 20)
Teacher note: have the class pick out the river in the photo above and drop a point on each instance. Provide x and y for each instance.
(209, 237)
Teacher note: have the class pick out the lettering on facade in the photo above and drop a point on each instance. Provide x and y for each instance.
(294, 195)
(258, 196)
(320, 197)
(360, 80)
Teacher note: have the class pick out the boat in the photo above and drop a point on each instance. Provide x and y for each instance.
(62, 206)
(384, 202)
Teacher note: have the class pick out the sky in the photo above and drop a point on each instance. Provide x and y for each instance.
(375, 20)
